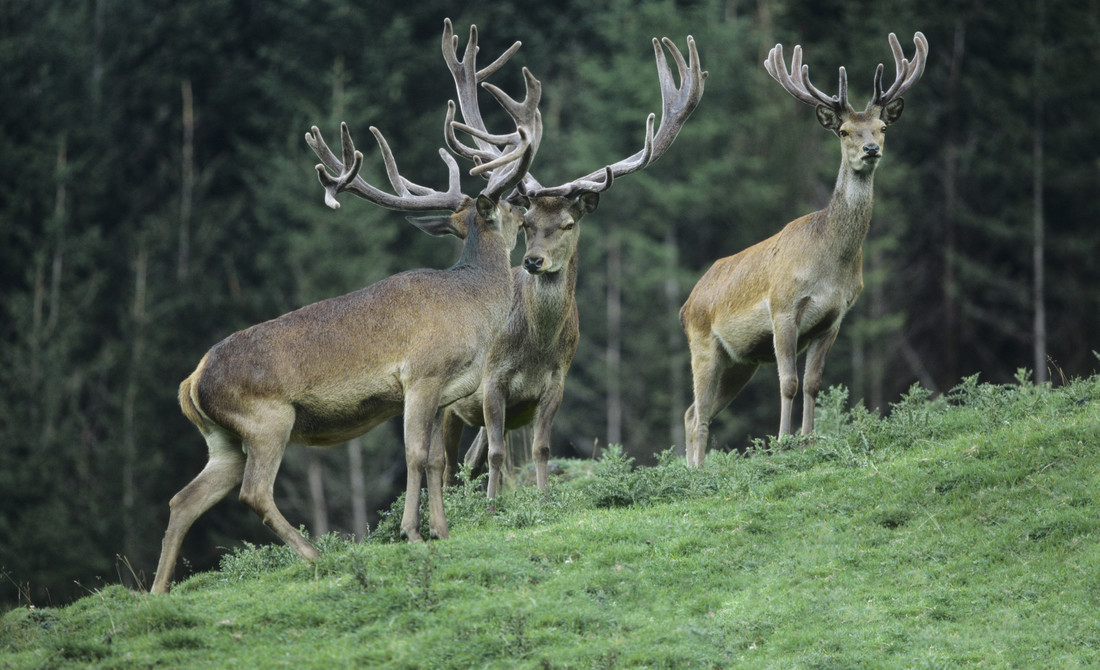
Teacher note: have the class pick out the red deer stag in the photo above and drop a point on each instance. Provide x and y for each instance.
(525, 375)
(790, 292)
(330, 371)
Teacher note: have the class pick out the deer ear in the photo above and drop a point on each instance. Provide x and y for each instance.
(440, 224)
(892, 111)
(828, 118)
(486, 207)
(587, 201)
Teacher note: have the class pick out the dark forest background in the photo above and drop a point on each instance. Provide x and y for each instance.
(156, 194)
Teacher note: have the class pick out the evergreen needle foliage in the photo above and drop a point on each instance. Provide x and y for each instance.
(959, 531)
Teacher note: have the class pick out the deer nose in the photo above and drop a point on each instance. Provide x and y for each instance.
(871, 149)
(533, 264)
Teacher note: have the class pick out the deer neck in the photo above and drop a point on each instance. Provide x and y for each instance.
(548, 299)
(483, 251)
(848, 215)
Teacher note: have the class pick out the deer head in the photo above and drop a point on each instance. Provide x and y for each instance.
(861, 133)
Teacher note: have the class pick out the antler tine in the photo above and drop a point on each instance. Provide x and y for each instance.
(797, 81)
(467, 77)
(520, 146)
(907, 72)
(477, 155)
(409, 197)
(677, 104)
(344, 177)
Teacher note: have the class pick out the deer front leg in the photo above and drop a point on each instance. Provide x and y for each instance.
(494, 407)
(544, 419)
(786, 359)
(811, 379)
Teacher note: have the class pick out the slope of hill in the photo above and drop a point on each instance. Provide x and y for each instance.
(960, 531)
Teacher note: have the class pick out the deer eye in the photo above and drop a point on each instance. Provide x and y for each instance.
(568, 226)
(843, 133)
(882, 129)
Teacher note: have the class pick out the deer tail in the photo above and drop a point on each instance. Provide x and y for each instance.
(188, 401)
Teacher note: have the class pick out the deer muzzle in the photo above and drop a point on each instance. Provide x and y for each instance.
(534, 264)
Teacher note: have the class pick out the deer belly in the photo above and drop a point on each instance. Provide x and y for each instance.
(320, 424)
(747, 337)
(815, 319)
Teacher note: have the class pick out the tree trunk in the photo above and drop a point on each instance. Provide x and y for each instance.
(877, 366)
(187, 181)
(316, 475)
(358, 488)
(950, 328)
(129, 427)
(1039, 326)
(614, 339)
(676, 377)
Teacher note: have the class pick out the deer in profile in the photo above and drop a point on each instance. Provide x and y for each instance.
(409, 344)
(789, 293)
(525, 374)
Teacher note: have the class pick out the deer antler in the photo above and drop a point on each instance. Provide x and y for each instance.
(797, 81)
(677, 104)
(410, 197)
(906, 74)
(467, 77)
(520, 144)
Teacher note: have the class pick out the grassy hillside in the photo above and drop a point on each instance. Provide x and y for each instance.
(962, 531)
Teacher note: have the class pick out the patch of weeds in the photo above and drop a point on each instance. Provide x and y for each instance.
(389, 525)
(611, 484)
(615, 482)
(466, 504)
(23, 627)
(527, 507)
(254, 561)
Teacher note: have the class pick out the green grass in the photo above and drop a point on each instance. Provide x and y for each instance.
(960, 531)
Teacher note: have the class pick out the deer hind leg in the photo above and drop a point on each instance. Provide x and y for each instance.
(434, 470)
(452, 435)
(265, 445)
(811, 379)
(223, 472)
(477, 453)
(716, 381)
(421, 408)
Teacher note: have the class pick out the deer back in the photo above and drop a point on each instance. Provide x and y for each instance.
(344, 363)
